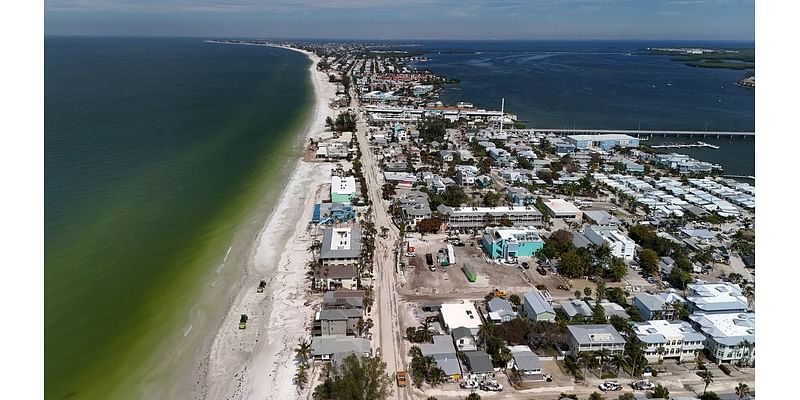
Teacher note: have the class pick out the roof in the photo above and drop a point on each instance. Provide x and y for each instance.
(479, 362)
(461, 332)
(442, 344)
(537, 302)
(595, 334)
(661, 331)
(610, 309)
(526, 360)
(493, 211)
(343, 185)
(576, 307)
(650, 301)
(601, 217)
(327, 345)
(561, 206)
(729, 329)
(716, 297)
(460, 314)
(448, 363)
(343, 314)
(498, 303)
(602, 137)
(338, 243)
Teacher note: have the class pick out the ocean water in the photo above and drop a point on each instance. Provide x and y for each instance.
(601, 85)
(158, 152)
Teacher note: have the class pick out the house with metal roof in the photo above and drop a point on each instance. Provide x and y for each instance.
(464, 339)
(601, 218)
(479, 363)
(575, 308)
(500, 310)
(669, 339)
(654, 306)
(730, 337)
(536, 307)
(336, 276)
(341, 246)
(343, 298)
(337, 321)
(721, 297)
(526, 363)
(455, 315)
(611, 309)
(582, 338)
(444, 353)
(323, 347)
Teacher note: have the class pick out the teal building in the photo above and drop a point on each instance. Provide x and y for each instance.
(507, 243)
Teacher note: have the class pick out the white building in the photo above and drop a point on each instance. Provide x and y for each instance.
(343, 189)
(477, 217)
(721, 297)
(669, 339)
(460, 315)
(620, 244)
(560, 208)
(730, 337)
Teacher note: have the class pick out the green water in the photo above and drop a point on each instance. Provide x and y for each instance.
(157, 151)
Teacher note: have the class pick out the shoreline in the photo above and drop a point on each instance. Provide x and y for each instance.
(278, 255)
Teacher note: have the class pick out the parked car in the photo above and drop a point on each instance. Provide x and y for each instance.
(525, 265)
(542, 271)
(643, 384)
(429, 259)
(469, 384)
(491, 386)
(610, 386)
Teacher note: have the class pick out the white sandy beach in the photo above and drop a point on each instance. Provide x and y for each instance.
(258, 362)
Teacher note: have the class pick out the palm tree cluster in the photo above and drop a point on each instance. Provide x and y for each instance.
(303, 352)
(425, 369)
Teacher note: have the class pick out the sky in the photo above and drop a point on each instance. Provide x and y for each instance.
(406, 19)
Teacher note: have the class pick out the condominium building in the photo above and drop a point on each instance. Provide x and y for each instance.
(721, 297)
(620, 244)
(730, 337)
(510, 243)
(669, 339)
(584, 338)
(464, 218)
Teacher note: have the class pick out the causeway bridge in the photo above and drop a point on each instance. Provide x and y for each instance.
(645, 133)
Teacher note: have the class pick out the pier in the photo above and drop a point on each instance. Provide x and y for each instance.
(646, 133)
(685, 145)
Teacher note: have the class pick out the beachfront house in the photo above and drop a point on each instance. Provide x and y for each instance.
(510, 243)
(341, 246)
(337, 322)
(343, 189)
(583, 338)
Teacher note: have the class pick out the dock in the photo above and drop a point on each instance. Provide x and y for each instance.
(685, 145)
(645, 133)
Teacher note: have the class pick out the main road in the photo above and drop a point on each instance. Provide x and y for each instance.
(390, 340)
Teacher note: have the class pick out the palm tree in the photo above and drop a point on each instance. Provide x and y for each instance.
(748, 347)
(742, 390)
(303, 350)
(604, 354)
(661, 351)
(708, 377)
(300, 378)
(750, 293)
(617, 360)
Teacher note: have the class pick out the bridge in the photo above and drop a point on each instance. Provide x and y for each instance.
(644, 133)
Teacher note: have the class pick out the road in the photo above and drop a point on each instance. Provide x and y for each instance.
(389, 336)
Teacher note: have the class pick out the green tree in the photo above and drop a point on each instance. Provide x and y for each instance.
(709, 396)
(571, 265)
(356, 378)
(617, 269)
(598, 315)
(514, 299)
(626, 396)
(742, 390)
(648, 260)
(303, 350)
(587, 291)
(474, 396)
(660, 392)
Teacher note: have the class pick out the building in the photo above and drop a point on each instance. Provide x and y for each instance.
(526, 363)
(465, 218)
(601, 218)
(510, 243)
(343, 299)
(414, 208)
(343, 189)
(500, 310)
(337, 322)
(583, 338)
(576, 308)
(519, 196)
(560, 208)
(669, 339)
(341, 246)
(722, 297)
(324, 347)
(611, 309)
(730, 337)
(332, 213)
(479, 363)
(334, 277)
(605, 142)
(464, 339)
(444, 353)
(536, 307)
(620, 244)
(455, 315)
(655, 306)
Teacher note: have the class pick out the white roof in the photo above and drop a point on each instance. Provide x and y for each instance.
(561, 206)
(461, 314)
(343, 185)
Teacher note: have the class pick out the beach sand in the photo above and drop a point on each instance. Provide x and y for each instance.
(259, 362)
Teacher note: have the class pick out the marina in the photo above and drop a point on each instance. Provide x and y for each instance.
(686, 146)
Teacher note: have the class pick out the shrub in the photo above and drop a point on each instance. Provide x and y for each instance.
(726, 369)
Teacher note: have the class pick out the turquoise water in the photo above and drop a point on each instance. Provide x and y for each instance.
(156, 152)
